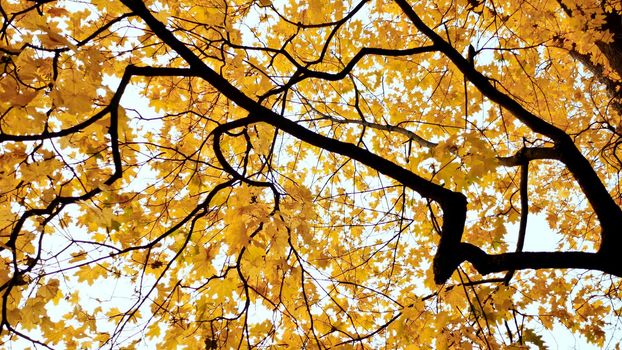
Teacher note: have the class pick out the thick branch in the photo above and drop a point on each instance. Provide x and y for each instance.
(485, 263)
(524, 213)
(114, 103)
(608, 212)
(263, 114)
(450, 252)
(527, 154)
(452, 203)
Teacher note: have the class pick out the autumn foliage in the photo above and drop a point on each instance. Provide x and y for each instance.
(309, 174)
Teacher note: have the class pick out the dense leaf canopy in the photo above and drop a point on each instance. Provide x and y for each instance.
(309, 174)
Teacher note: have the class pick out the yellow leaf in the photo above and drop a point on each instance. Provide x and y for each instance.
(89, 274)
(154, 331)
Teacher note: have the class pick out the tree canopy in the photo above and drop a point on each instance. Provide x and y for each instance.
(308, 174)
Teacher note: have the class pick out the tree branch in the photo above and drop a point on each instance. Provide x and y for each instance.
(524, 214)
(451, 251)
(490, 263)
(527, 154)
(130, 71)
(452, 203)
(607, 211)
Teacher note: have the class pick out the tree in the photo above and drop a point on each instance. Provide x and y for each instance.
(293, 175)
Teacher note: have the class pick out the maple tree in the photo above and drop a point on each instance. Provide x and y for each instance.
(300, 174)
